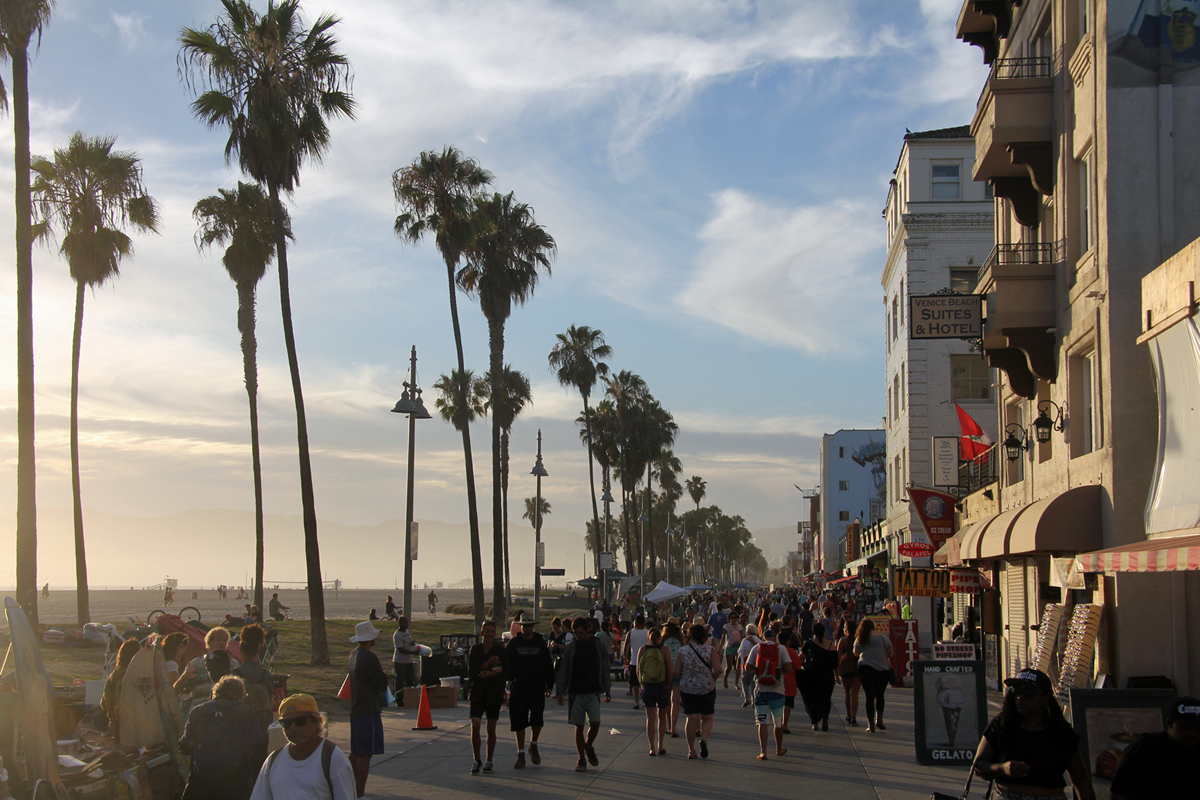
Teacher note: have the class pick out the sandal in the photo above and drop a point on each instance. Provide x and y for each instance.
(692, 755)
(652, 753)
(662, 751)
(761, 756)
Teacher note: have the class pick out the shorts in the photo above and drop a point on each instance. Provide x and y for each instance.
(366, 735)
(656, 695)
(731, 650)
(848, 675)
(526, 710)
(583, 708)
(633, 676)
(486, 706)
(705, 704)
(789, 701)
(768, 705)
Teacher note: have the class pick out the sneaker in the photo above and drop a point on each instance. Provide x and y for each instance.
(534, 755)
(475, 767)
(581, 765)
(520, 761)
(487, 766)
(825, 724)
(591, 755)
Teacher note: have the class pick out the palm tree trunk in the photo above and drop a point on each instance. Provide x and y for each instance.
(81, 581)
(312, 548)
(27, 589)
(650, 528)
(496, 349)
(504, 493)
(468, 463)
(629, 552)
(587, 427)
(245, 322)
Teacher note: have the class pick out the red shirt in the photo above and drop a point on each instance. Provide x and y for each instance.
(789, 678)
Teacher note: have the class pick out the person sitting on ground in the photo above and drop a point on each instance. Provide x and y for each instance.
(310, 765)
(220, 737)
(110, 700)
(373, 616)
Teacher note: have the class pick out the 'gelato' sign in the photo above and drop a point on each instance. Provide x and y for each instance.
(945, 316)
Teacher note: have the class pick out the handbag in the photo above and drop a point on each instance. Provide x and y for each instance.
(966, 789)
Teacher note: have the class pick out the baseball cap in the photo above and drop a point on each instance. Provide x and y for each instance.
(1039, 679)
(768, 632)
(297, 705)
(1186, 710)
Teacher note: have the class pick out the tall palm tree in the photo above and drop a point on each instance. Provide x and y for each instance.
(628, 392)
(531, 510)
(19, 21)
(576, 362)
(502, 269)
(274, 85)
(242, 219)
(515, 393)
(436, 195)
(86, 195)
(696, 487)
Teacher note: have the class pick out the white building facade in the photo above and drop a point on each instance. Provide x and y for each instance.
(853, 487)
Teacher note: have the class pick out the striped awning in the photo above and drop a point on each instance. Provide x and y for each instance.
(1169, 554)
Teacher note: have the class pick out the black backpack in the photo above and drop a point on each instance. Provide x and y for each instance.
(214, 750)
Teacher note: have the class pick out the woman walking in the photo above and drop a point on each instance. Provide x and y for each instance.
(672, 639)
(733, 639)
(848, 671)
(697, 668)
(654, 675)
(1028, 746)
(748, 643)
(819, 676)
(874, 670)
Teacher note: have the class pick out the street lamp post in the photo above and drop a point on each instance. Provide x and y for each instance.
(410, 404)
(539, 471)
(669, 531)
(607, 499)
(643, 519)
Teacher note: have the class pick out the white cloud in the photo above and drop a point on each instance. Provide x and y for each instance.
(793, 276)
(132, 28)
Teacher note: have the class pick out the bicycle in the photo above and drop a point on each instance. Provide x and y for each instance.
(433, 609)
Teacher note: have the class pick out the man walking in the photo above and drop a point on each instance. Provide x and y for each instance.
(768, 662)
(310, 766)
(403, 668)
(531, 677)
(583, 675)
(366, 722)
(487, 667)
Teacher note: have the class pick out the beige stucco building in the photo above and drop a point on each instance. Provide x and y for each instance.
(1076, 131)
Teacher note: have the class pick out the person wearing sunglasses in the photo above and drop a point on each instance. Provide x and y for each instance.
(1028, 746)
(309, 766)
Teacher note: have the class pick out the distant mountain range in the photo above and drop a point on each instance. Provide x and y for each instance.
(206, 547)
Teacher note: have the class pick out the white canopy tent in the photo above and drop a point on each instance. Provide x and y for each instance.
(665, 591)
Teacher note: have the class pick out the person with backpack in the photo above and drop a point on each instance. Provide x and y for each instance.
(768, 662)
(220, 736)
(697, 668)
(531, 677)
(260, 686)
(654, 675)
(309, 767)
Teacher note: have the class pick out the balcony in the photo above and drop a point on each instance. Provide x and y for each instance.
(1013, 130)
(1018, 335)
(982, 470)
(984, 23)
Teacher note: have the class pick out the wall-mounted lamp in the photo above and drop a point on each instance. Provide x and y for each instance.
(1013, 446)
(1043, 425)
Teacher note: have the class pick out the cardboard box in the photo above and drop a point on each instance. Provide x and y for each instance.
(439, 697)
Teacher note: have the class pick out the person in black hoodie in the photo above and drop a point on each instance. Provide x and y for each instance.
(531, 677)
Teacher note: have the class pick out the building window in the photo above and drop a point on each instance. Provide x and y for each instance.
(843, 516)
(888, 410)
(945, 182)
(970, 378)
(843, 486)
(963, 279)
(902, 392)
(895, 318)
(1085, 431)
(896, 396)
(1085, 206)
(841, 452)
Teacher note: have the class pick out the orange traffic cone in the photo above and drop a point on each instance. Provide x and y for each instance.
(344, 692)
(424, 718)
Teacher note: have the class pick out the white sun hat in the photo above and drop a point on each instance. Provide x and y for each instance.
(364, 632)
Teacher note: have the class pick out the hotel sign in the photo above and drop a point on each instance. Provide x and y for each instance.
(945, 316)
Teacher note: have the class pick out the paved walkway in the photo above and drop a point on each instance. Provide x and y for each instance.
(845, 763)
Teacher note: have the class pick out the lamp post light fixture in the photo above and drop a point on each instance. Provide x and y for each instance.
(1013, 446)
(1043, 425)
(410, 404)
(607, 499)
(540, 472)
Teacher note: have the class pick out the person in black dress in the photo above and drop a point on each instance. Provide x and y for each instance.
(818, 677)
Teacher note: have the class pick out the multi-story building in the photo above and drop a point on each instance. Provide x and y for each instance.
(1081, 130)
(939, 233)
(853, 487)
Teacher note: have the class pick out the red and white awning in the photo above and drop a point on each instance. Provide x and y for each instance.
(1170, 554)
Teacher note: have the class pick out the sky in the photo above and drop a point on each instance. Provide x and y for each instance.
(712, 172)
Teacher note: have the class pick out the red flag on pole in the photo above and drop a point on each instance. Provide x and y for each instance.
(973, 441)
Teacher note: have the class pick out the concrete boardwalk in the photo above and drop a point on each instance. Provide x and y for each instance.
(845, 763)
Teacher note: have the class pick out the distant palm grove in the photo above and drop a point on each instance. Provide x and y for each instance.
(271, 83)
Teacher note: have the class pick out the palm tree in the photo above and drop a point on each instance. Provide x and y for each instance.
(502, 269)
(19, 21)
(436, 195)
(515, 393)
(531, 510)
(576, 362)
(242, 219)
(628, 392)
(696, 487)
(273, 84)
(86, 195)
